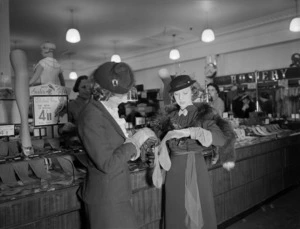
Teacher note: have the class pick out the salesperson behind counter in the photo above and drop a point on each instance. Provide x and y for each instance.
(83, 87)
(107, 190)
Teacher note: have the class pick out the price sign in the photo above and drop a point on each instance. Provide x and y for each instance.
(50, 110)
(7, 130)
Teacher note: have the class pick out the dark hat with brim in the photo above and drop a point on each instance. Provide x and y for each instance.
(181, 82)
(114, 77)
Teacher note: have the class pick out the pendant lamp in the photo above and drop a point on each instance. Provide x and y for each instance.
(72, 35)
(73, 74)
(115, 57)
(208, 34)
(295, 23)
(174, 53)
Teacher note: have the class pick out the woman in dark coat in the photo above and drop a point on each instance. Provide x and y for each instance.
(107, 190)
(193, 129)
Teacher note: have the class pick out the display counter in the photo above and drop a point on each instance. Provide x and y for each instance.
(52, 202)
(263, 169)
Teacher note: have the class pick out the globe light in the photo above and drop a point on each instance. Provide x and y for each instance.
(115, 58)
(73, 35)
(73, 75)
(295, 25)
(208, 35)
(174, 54)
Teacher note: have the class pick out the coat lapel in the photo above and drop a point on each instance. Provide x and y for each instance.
(109, 117)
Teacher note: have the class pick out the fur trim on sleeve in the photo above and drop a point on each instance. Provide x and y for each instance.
(227, 151)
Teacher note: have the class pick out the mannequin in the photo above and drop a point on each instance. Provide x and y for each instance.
(48, 70)
(19, 63)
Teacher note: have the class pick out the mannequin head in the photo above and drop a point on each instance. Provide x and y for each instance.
(47, 49)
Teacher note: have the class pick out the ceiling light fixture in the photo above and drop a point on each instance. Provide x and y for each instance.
(295, 23)
(208, 35)
(73, 75)
(174, 53)
(115, 57)
(72, 35)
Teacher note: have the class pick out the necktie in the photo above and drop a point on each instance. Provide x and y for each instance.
(183, 112)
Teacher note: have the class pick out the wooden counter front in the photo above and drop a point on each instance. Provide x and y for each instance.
(262, 170)
(61, 209)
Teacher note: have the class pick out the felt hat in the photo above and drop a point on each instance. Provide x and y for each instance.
(115, 77)
(181, 82)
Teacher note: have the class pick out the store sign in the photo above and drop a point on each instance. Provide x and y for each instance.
(48, 89)
(259, 76)
(50, 110)
(7, 130)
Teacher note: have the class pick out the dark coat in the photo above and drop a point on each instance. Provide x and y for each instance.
(108, 180)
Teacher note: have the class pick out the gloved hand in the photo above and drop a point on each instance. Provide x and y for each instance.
(228, 165)
(202, 135)
(139, 138)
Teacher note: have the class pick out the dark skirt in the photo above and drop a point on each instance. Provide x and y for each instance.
(111, 216)
(175, 212)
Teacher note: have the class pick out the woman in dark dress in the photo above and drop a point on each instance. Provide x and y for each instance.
(189, 199)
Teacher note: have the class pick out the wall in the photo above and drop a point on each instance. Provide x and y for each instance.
(261, 47)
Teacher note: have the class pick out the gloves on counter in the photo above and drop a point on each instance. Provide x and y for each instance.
(202, 135)
(138, 140)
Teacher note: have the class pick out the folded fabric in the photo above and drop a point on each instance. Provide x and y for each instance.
(157, 177)
(194, 218)
(3, 149)
(21, 169)
(13, 149)
(39, 168)
(66, 163)
(82, 158)
(202, 135)
(7, 174)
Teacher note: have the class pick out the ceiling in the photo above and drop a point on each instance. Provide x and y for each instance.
(129, 27)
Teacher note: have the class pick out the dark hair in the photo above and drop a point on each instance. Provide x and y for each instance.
(78, 81)
(215, 86)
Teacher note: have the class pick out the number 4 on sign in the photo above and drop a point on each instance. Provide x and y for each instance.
(45, 116)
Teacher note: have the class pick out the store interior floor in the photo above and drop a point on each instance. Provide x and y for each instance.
(280, 213)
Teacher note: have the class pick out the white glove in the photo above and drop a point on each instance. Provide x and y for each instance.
(177, 134)
(139, 138)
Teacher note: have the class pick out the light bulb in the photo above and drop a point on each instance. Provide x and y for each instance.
(73, 35)
(174, 54)
(208, 35)
(115, 58)
(73, 75)
(295, 25)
